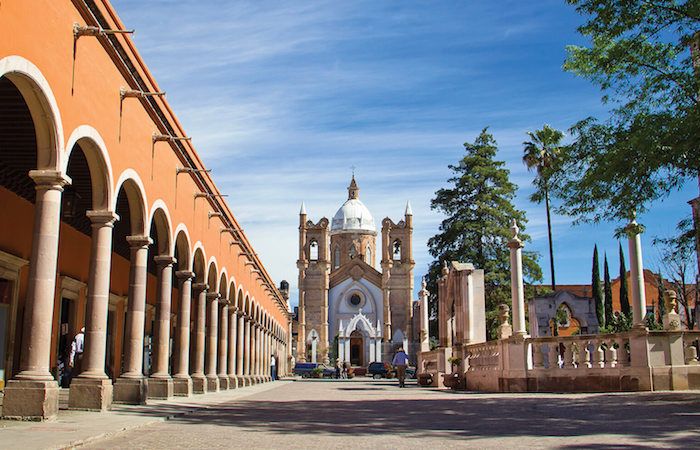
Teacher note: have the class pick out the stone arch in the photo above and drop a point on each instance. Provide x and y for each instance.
(223, 284)
(43, 108)
(93, 147)
(247, 306)
(159, 221)
(360, 321)
(181, 248)
(135, 193)
(212, 275)
(232, 291)
(198, 263)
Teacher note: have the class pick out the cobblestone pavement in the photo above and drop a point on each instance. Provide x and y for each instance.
(377, 414)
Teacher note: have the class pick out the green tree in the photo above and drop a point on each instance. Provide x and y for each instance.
(597, 292)
(638, 54)
(541, 153)
(607, 293)
(478, 205)
(661, 304)
(624, 295)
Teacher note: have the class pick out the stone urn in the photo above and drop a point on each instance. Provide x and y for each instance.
(454, 381)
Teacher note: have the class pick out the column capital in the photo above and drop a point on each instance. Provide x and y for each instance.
(50, 179)
(102, 217)
(233, 309)
(224, 301)
(633, 228)
(200, 287)
(213, 296)
(164, 260)
(184, 275)
(139, 241)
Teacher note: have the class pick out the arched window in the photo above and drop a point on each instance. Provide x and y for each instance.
(368, 255)
(313, 250)
(397, 250)
(336, 257)
(352, 252)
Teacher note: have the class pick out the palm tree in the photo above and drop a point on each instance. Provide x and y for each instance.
(541, 153)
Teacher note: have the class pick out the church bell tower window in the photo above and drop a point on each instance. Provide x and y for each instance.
(397, 250)
(313, 250)
(336, 257)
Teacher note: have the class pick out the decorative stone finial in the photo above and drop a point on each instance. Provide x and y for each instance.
(409, 211)
(423, 284)
(302, 211)
(514, 229)
(445, 269)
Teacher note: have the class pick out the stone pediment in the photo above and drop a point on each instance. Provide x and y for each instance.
(356, 269)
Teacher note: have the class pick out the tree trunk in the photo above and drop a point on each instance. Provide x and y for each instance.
(549, 234)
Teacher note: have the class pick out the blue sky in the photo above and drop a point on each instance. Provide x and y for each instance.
(282, 98)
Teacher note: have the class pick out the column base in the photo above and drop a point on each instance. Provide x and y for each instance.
(248, 380)
(160, 388)
(182, 387)
(223, 382)
(232, 382)
(30, 400)
(90, 394)
(199, 385)
(130, 391)
(212, 384)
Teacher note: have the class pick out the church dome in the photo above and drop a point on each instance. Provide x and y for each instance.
(353, 216)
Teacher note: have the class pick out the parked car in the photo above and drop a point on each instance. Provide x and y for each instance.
(385, 370)
(380, 369)
(306, 370)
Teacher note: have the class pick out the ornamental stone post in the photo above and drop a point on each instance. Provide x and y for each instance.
(33, 393)
(424, 324)
(212, 337)
(639, 303)
(92, 389)
(182, 383)
(130, 387)
(160, 383)
(199, 381)
(516, 282)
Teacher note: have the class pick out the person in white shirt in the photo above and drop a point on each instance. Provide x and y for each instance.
(273, 367)
(75, 359)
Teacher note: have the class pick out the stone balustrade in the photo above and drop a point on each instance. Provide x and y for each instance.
(580, 352)
(483, 357)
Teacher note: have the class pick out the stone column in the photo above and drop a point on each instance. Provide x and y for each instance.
(33, 392)
(639, 302)
(130, 387)
(232, 346)
(92, 389)
(223, 345)
(268, 356)
(516, 282)
(254, 352)
(182, 383)
(199, 381)
(160, 383)
(212, 338)
(240, 343)
(424, 324)
(248, 350)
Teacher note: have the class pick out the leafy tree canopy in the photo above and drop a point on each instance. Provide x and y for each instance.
(639, 55)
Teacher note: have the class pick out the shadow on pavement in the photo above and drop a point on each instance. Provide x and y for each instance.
(649, 417)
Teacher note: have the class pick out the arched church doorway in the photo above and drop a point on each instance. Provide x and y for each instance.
(357, 349)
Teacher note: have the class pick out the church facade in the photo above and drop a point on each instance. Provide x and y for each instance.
(355, 302)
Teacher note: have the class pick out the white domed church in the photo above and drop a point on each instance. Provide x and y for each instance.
(351, 306)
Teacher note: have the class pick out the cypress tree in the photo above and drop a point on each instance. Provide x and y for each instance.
(607, 291)
(662, 304)
(624, 296)
(597, 293)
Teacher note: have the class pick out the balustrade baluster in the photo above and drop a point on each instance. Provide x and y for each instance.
(598, 354)
(537, 356)
(611, 354)
(553, 356)
(568, 362)
(623, 356)
(583, 354)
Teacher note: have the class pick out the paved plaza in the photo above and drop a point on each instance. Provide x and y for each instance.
(377, 414)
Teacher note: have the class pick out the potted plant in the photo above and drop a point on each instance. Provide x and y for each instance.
(317, 372)
(425, 379)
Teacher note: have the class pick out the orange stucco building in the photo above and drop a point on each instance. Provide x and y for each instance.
(109, 221)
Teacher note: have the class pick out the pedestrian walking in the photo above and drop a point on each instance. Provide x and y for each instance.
(75, 358)
(400, 362)
(273, 367)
